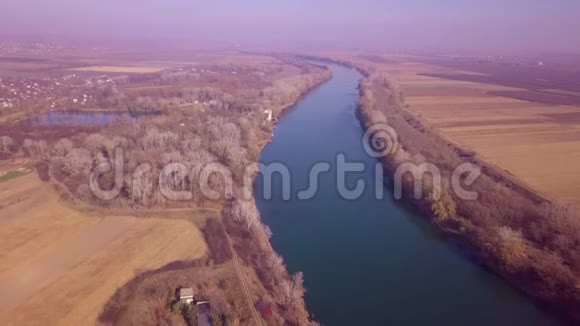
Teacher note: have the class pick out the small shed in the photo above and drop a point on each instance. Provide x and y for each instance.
(186, 295)
(268, 114)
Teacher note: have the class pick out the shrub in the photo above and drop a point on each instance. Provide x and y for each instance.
(443, 207)
(189, 313)
(34, 148)
(61, 148)
(7, 145)
(77, 161)
(245, 212)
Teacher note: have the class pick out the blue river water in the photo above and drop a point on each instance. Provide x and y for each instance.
(370, 261)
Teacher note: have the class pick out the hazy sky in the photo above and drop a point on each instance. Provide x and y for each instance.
(508, 25)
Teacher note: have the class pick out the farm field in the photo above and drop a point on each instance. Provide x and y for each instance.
(537, 142)
(59, 265)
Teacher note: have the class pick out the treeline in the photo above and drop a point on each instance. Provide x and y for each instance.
(244, 97)
(535, 244)
(229, 143)
(251, 238)
(224, 130)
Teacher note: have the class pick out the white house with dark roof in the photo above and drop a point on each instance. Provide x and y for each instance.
(186, 295)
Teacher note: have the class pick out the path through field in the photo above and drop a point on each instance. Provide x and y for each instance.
(243, 283)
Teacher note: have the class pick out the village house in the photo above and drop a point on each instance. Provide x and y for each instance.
(186, 295)
(268, 114)
(203, 307)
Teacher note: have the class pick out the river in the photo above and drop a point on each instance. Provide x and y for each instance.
(370, 261)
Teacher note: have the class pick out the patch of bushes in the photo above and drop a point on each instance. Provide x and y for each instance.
(43, 171)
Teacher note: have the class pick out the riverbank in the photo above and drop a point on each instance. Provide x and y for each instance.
(258, 274)
(252, 245)
(384, 259)
(509, 230)
(217, 119)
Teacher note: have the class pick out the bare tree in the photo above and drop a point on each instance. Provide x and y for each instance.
(275, 263)
(230, 153)
(196, 161)
(97, 142)
(513, 246)
(244, 211)
(267, 231)
(61, 148)
(154, 138)
(77, 161)
(175, 177)
(6, 145)
(172, 157)
(141, 182)
(292, 290)
(231, 132)
(190, 143)
(35, 148)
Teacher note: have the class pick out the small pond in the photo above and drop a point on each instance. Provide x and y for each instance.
(87, 118)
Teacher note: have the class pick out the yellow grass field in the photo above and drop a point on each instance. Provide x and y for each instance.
(59, 266)
(538, 143)
(121, 69)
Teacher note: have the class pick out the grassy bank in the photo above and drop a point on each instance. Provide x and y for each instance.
(11, 175)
